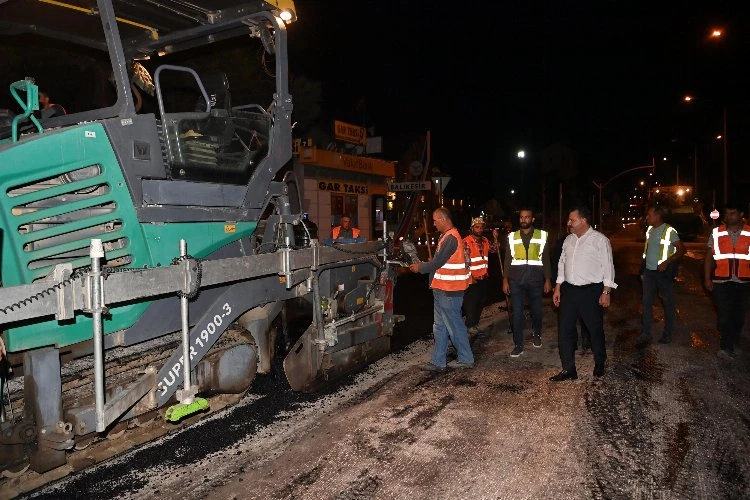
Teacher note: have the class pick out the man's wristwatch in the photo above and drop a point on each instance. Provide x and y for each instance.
(606, 292)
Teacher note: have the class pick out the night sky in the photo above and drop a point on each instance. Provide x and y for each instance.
(604, 79)
(586, 89)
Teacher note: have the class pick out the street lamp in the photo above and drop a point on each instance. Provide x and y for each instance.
(603, 184)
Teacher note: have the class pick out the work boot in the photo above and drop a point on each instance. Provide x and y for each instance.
(665, 339)
(643, 340)
(456, 364)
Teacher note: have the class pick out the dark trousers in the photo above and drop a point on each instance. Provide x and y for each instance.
(662, 282)
(475, 298)
(731, 307)
(583, 302)
(518, 293)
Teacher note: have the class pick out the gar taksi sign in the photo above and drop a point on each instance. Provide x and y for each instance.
(342, 187)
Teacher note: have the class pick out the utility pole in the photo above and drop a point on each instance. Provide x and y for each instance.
(725, 155)
(695, 173)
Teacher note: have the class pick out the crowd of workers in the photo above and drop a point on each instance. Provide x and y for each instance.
(583, 285)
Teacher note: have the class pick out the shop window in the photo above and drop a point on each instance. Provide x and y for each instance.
(344, 204)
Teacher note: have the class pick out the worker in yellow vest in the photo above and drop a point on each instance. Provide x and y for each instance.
(526, 274)
(660, 254)
(345, 229)
(727, 275)
(449, 278)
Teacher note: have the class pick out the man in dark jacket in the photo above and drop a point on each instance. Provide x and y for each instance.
(527, 275)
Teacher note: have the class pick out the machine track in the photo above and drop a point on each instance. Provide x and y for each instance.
(122, 367)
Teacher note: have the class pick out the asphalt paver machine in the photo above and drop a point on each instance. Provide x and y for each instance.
(149, 254)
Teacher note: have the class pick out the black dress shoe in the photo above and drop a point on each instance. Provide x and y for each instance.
(564, 375)
(598, 370)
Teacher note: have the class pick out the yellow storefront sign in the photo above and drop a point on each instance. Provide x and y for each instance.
(349, 133)
(340, 161)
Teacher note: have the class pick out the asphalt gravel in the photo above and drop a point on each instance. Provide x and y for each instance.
(665, 421)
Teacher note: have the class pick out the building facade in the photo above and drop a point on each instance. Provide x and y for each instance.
(337, 183)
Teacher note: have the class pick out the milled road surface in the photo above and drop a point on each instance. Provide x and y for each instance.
(666, 421)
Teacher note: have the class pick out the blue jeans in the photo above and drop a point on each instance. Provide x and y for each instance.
(449, 325)
(654, 281)
(534, 292)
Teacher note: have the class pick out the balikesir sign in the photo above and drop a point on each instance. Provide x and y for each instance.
(410, 186)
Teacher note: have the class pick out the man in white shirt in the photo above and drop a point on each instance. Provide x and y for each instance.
(585, 278)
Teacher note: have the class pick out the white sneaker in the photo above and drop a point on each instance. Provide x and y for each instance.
(726, 355)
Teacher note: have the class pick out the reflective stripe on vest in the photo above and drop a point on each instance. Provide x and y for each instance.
(337, 230)
(730, 258)
(453, 276)
(479, 256)
(518, 251)
(667, 249)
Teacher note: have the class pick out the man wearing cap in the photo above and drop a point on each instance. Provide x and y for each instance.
(527, 274)
(476, 295)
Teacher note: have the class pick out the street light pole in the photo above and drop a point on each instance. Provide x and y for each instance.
(695, 169)
(603, 184)
(725, 146)
(600, 186)
(521, 154)
(725, 155)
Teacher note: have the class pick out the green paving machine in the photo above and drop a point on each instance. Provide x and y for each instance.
(153, 240)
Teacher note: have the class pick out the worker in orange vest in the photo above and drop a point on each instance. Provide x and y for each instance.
(449, 278)
(476, 295)
(345, 229)
(727, 275)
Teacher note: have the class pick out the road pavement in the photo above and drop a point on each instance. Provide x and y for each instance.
(666, 421)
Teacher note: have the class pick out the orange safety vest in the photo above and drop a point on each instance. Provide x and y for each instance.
(479, 255)
(337, 229)
(730, 258)
(453, 276)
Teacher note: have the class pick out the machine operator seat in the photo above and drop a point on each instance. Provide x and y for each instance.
(216, 145)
